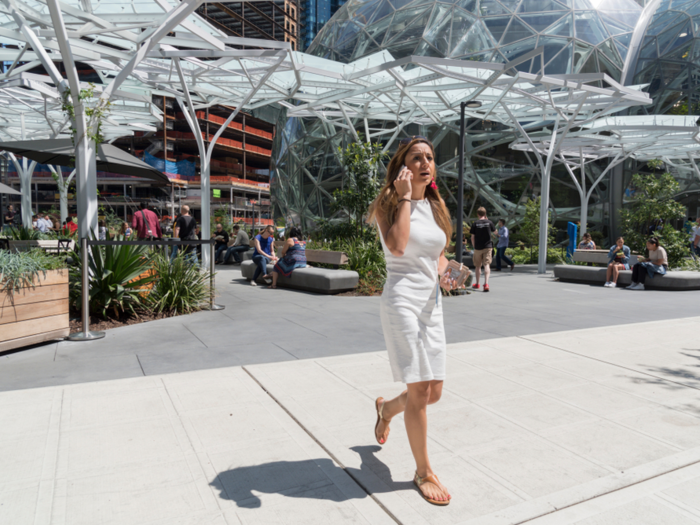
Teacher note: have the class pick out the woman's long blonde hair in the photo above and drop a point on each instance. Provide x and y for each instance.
(387, 201)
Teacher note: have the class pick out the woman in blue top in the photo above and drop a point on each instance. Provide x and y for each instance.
(618, 259)
(264, 251)
(503, 240)
(293, 256)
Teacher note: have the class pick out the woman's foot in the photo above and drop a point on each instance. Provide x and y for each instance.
(273, 286)
(433, 491)
(381, 429)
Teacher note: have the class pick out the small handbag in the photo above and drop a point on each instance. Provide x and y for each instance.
(457, 273)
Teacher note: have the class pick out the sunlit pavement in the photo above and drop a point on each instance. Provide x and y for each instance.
(602, 423)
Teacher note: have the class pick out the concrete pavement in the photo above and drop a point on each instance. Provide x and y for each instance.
(263, 326)
(602, 423)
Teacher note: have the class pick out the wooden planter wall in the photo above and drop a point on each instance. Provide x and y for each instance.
(35, 315)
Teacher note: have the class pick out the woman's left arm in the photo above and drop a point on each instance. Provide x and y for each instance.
(442, 264)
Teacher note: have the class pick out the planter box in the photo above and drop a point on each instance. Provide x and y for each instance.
(50, 246)
(35, 314)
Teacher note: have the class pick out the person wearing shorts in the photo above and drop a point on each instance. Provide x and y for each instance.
(482, 231)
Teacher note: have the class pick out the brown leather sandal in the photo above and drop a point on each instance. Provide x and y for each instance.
(380, 416)
(418, 481)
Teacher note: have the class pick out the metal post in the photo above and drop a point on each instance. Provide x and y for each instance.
(459, 248)
(86, 334)
(212, 290)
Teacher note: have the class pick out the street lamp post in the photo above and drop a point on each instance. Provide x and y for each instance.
(459, 246)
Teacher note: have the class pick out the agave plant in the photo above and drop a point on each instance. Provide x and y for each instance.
(119, 278)
(180, 287)
(20, 233)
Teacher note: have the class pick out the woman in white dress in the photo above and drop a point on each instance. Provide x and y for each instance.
(415, 227)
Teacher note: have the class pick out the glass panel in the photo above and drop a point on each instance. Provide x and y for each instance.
(401, 20)
(533, 6)
(561, 63)
(660, 22)
(474, 41)
(610, 52)
(581, 53)
(552, 46)
(384, 9)
(516, 31)
(403, 49)
(624, 39)
(590, 66)
(491, 8)
(439, 34)
(621, 49)
(513, 51)
(606, 66)
(613, 26)
(497, 26)
(589, 27)
(467, 5)
(461, 23)
(626, 17)
(685, 35)
(540, 21)
(349, 31)
(426, 50)
(565, 27)
(365, 46)
(378, 30)
(417, 26)
(511, 5)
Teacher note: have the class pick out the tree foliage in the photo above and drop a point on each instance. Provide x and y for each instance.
(361, 183)
(651, 214)
(529, 229)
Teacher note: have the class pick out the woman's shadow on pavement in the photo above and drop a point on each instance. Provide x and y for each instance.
(309, 478)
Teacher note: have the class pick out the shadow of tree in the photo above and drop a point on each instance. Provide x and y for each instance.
(670, 378)
(309, 478)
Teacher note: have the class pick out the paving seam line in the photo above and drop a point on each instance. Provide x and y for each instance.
(609, 492)
(325, 449)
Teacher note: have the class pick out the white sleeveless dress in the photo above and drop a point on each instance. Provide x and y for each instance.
(411, 303)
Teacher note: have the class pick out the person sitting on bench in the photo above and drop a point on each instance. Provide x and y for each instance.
(293, 256)
(656, 263)
(618, 259)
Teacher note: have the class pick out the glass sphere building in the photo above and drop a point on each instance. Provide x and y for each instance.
(654, 45)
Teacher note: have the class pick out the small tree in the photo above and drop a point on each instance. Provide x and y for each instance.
(651, 213)
(530, 226)
(361, 183)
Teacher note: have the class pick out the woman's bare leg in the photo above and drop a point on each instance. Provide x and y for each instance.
(615, 273)
(609, 272)
(413, 402)
(275, 275)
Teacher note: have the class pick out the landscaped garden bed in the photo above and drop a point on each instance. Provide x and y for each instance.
(33, 299)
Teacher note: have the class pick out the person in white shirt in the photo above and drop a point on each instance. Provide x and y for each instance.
(655, 264)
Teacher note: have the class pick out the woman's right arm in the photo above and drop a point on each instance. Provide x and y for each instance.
(396, 235)
(258, 250)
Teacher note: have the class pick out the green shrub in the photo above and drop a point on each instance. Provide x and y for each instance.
(19, 269)
(20, 233)
(116, 281)
(179, 287)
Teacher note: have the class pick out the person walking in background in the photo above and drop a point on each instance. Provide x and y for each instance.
(414, 229)
(293, 256)
(264, 244)
(221, 237)
(502, 245)
(618, 259)
(481, 232)
(586, 242)
(695, 238)
(655, 264)
(146, 224)
(185, 229)
(239, 245)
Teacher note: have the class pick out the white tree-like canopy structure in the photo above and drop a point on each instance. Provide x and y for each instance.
(667, 137)
(157, 48)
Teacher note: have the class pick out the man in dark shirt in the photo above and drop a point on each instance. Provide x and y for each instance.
(221, 237)
(481, 232)
(146, 224)
(185, 229)
(9, 217)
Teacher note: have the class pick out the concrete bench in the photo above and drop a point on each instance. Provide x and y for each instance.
(598, 257)
(672, 281)
(310, 279)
